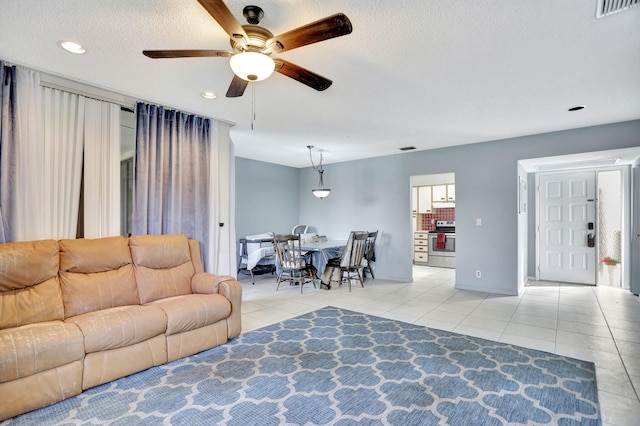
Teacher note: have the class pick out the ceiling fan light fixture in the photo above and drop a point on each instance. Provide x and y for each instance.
(252, 66)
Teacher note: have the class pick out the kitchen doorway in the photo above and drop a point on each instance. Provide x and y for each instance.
(433, 198)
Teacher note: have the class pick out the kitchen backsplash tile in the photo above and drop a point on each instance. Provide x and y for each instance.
(424, 220)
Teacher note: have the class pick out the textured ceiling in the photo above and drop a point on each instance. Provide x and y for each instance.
(426, 73)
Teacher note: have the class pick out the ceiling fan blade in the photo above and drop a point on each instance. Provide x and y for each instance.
(159, 54)
(237, 87)
(302, 75)
(333, 26)
(223, 16)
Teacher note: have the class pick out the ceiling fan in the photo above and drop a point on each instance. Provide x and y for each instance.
(253, 46)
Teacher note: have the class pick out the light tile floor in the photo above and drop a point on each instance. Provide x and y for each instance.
(598, 324)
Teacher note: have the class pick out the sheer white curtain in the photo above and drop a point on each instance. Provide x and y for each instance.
(8, 151)
(101, 169)
(42, 135)
(63, 125)
(29, 209)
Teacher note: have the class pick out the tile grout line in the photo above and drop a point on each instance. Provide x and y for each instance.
(512, 314)
(615, 343)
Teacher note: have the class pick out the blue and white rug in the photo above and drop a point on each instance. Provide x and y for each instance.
(340, 367)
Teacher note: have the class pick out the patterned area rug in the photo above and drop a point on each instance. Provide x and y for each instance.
(339, 367)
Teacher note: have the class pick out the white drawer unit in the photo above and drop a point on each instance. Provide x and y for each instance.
(421, 247)
(420, 258)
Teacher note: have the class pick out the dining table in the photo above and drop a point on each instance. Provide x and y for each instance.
(322, 251)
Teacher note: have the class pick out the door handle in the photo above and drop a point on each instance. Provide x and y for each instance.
(591, 240)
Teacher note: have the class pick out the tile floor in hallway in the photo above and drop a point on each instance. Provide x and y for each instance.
(599, 324)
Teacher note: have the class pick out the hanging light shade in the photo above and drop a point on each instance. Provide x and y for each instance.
(252, 66)
(321, 191)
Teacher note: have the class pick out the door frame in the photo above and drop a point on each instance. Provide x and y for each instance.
(626, 218)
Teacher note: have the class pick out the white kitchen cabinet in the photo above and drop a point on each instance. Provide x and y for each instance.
(444, 195)
(439, 193)
(414, 199)
(424, 199)
(451, 192)
(420, 247)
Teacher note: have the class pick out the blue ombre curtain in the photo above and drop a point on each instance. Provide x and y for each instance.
(171, 174)
(8, 155)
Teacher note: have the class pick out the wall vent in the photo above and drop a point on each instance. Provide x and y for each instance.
(609, 7)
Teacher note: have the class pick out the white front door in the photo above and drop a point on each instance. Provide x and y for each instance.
(567, 211)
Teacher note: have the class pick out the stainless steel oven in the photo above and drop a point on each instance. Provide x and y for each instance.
(442, 253)
(447, 248)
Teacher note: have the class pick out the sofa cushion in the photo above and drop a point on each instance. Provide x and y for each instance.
(162, 266)
(29, 287)
(119, 327)
(34, 348)
(94, 255)
(185, 313)
(96, 274)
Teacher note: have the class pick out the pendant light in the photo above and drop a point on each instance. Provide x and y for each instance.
(321, 191)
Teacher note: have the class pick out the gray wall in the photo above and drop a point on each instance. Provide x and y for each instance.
(375, 194)
(266, 197)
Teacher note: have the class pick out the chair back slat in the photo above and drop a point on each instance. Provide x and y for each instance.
(288, 251)
(370, 246)
(292, 260)
(354, 250)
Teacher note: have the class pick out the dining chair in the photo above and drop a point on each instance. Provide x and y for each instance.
(292, 261)
(299, 229)
(350, 264)
(370, 253)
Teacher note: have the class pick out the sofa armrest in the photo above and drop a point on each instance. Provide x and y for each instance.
(227, 286)
(206, 283)
(232, 290)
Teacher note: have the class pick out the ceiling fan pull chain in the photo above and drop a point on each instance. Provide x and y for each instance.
(253, 103)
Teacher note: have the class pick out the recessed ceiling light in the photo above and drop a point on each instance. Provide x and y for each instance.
(72, 47)
(577, 108)
(208, 95)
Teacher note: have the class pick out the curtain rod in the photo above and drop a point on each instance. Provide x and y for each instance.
(61, 83)
(88, 90)
(85, 89)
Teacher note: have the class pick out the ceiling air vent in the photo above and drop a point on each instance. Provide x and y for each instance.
(609, 7)
(407, 148)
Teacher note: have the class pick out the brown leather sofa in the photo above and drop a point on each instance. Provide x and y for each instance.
(78, 313)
